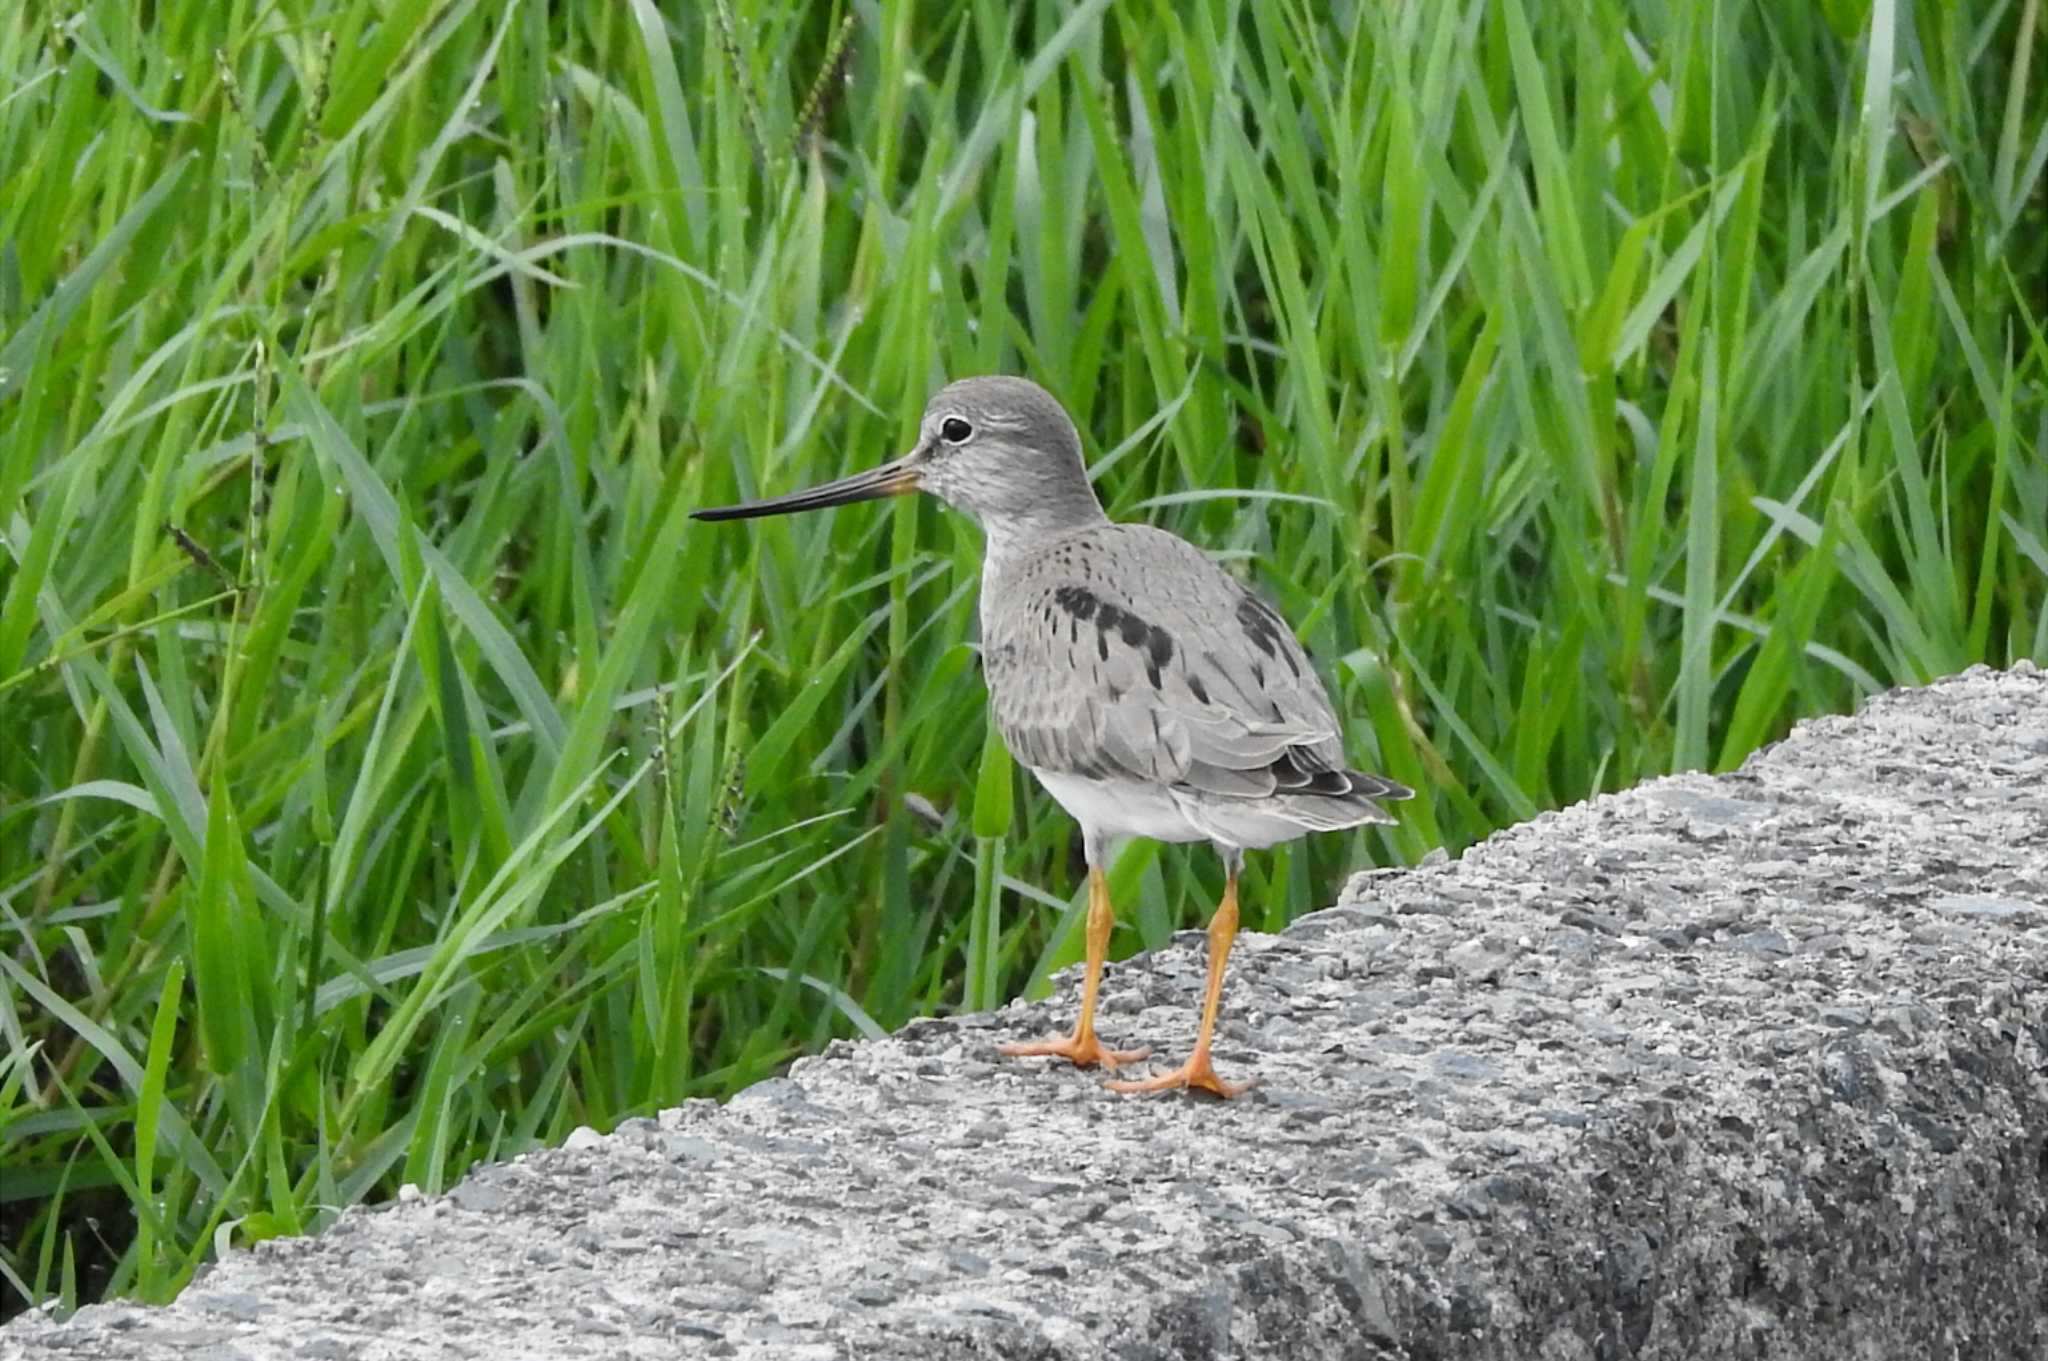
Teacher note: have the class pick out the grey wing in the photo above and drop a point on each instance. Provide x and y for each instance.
(1125, 652)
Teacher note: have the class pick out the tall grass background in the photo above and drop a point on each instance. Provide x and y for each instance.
(391, 777)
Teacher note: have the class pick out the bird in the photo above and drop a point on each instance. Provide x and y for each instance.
(1146, 689)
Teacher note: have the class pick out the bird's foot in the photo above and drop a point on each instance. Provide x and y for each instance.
(1196, 1072)
(1082, 1049)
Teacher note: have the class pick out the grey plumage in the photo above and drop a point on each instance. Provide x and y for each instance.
(1121, 653)
(1150, 692)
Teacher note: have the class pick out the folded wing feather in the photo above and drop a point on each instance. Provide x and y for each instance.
(1123, 651)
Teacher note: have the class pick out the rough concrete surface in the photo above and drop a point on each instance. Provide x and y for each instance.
(1754, 1065)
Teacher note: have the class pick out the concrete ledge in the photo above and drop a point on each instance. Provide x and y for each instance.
(1746, 1066)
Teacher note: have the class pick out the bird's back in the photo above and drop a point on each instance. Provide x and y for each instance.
(1120, 654)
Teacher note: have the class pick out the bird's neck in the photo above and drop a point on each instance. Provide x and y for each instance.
(1009, 539)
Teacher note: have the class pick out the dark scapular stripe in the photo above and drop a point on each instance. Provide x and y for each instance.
(1266, 630)
(1155, 642)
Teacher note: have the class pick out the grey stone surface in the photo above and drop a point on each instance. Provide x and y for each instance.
(1746, 1066)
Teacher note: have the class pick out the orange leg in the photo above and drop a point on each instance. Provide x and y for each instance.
(1198, 1071)
(1082, 1046)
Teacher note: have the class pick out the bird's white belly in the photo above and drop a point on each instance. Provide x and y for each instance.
(1120, 807)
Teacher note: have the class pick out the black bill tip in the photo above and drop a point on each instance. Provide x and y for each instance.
(891, 479)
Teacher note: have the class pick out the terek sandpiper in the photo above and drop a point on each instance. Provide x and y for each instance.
(1149, 692)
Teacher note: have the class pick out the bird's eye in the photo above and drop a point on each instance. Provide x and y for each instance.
(955, 431)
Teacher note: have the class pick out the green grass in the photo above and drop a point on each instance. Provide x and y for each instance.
(391, 777)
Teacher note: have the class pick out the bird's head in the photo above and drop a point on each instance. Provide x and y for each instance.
(1002, 449)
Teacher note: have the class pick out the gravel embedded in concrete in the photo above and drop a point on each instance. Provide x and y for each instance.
(1754, 1065)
